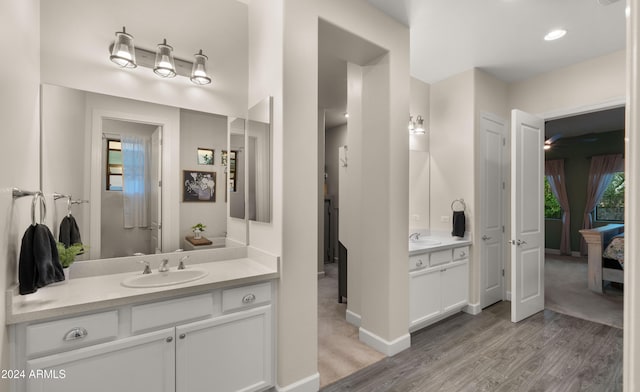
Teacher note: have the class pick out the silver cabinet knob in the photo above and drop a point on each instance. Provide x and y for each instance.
(183, 335)
(419, 263)
(249, 298)
(75, 334)
(170, 339)
(463, 254)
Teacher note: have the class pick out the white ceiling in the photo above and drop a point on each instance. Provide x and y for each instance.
(505, 37)
(502, 37)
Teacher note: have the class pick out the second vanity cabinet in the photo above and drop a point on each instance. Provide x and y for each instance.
(220, 340)
(438, 285)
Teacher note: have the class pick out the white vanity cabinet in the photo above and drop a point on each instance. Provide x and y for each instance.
(220, 340)
(438, 285)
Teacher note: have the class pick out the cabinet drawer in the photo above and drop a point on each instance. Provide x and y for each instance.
(246, 296)
(418, 261)
(71, 333)
(440, 257)
(158, 314)
(461, 253)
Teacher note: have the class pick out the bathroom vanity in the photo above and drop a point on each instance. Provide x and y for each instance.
(215, 333)
(438, 280)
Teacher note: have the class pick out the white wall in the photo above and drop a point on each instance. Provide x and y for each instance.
(219, 27)
(419, 159)
(203, 130)
(63, 158)
(19, 110)
(451, 148)
(594, 81)
(288, 71)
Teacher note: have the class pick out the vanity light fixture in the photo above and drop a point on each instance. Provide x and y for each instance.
(416, 127)
(199, 70)
(164, 66)
(162, 62)
(123, 52)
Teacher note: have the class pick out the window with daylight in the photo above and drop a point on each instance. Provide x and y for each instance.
(114, 165)
(611, 207)
(552, 209)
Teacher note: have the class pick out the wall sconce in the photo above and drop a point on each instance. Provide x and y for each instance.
(164, 65)
(161, 61)
(123, 52)
(416, 127)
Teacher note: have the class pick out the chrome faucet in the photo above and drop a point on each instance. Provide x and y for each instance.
(181, 263)
(147, 269)
(414, 236)
(163, 265)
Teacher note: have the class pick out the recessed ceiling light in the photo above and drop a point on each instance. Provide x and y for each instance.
(555, 34)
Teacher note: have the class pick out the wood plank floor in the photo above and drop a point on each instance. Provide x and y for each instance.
(487, 352)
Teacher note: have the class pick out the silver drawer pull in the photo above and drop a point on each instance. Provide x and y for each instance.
(247, 299)
(463, 254)
(75, 334)
(419, 263)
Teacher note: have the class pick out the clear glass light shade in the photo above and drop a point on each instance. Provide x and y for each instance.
(123, 52)
(416, 127)
(164, 66)
(199, 71)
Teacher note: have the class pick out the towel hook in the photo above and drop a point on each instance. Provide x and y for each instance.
(38, 197)
(459, 201)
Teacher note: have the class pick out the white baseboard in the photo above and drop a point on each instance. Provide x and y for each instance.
(388, 348)
(321, 274)
(508, 295)
(309, 384)
(353, 318)
(472, 309)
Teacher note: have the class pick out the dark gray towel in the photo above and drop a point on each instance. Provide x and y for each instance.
(39, 263)
(459, 224)
(69, 231)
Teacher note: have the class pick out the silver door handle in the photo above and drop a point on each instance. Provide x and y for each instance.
(520, 242)
(516, 242)
(485, 237)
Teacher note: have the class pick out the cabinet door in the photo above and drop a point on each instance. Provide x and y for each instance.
(139, 363)
(224, 354)
(455, 287)
(424, 299)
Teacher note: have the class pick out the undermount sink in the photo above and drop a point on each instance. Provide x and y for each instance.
(424, 242)
(159, 279)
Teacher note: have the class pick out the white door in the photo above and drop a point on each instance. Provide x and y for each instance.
(155, 191)
(527, 215)
(492, 184)
(139, 363)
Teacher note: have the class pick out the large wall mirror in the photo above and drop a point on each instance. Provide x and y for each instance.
(259, 145)
(148, 172)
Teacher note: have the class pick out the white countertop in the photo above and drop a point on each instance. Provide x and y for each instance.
(105, 291)
(444, 243)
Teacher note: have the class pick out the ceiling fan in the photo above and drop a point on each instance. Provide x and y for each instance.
(557, 140)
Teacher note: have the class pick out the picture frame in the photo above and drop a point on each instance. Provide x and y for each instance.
(205, 156)
(198, 186)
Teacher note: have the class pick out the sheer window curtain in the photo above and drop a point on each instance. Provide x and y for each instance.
(601, 172)
(135, 162)
(554, 170)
